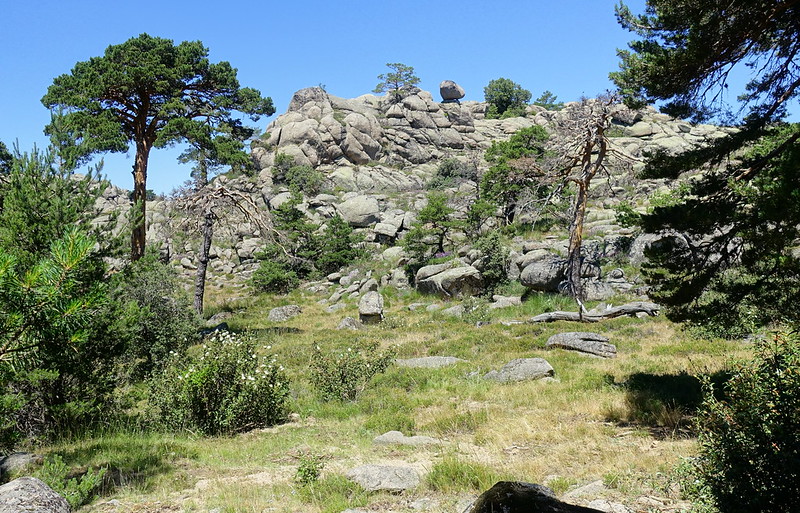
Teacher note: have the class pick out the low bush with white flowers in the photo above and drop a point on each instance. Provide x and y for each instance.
(230, 386)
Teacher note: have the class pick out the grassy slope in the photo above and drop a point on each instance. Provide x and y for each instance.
(584, 426)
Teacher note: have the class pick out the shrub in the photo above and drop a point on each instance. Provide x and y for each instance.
(494, 261)
(339, 246)
(274, 277)
(452, 172)
(750, 438)
(76, 490)
(502, 95)
(310, 469)
(399, 82)
(344, 375)
(226, 388)
(149, 315)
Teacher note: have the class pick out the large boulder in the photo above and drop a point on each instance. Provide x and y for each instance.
(283, 313)
(30, 495)
(451, 91)
(360, 211)
(584, 342)
(545, 273)
(370, 308)
(448, 281)
(522, 369)
(384, 477)
(517, 497)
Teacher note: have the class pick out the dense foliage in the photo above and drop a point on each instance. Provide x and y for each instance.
(731, 268)
(153, 93)
(508, 181)
(506, 98)
(344, 375)
(750, 438)
(229, 387)
(431, 234)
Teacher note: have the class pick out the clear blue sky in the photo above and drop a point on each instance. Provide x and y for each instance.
(565, 46)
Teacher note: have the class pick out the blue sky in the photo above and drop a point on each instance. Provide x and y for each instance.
(565, 46)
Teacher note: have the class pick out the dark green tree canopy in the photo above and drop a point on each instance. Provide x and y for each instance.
(505, 95)
(153, 93)
(731, 267)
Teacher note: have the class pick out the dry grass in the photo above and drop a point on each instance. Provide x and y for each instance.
(623, 421)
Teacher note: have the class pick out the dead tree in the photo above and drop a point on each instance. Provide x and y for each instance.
(578, 151)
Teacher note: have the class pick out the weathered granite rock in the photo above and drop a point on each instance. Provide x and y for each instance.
(18, 461)
(544, 274)
(398, 438)
(429, 362)
(349, 323)
(451, 91)
(370, 308)
(584, 342)
(283, 313)
(384, 477)
(360, 211)
(449, 281)
(30, 495)
(521, 369)
(517, 497)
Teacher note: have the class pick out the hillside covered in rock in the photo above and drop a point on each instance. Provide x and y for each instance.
(377, 158)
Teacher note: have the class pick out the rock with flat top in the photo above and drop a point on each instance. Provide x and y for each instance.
(584, 342)
(30, 495)
(522, 369)
(392, 478)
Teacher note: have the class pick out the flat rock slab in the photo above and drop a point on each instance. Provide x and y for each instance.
(429, 362)
(30, 495)
(283, 313)
(384, 477)
(584, 342)
(517, 497)
(522, 369)
(398, 438)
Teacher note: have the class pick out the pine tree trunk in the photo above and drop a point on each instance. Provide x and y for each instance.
(139, 230)
(574, 282)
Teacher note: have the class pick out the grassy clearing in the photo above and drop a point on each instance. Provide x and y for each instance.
(624, 421)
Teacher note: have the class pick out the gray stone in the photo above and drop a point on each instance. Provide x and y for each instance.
(608, 506)
(517, 497)
(455, 311)
(398, 438)
(584, 342)
(451, 91)
(429, 362)
(336, 307)
(371, 285)
(18, 461)
(30, 495)
(283, 313)
(522, 369)
(504, 301)
(544, 274)
(349, 323)
(370, 308)
(451, 282)
(360, 211)
(384, 477)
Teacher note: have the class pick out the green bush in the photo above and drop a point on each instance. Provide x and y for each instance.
(76, 490)
(503, 95)
(345, 374)
(451, 173)
(226, 388)
(749, 439)
(494, 256)
(149, 315)
(274, 277)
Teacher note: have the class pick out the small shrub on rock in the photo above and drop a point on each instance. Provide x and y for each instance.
(345, 374)
(226, 388)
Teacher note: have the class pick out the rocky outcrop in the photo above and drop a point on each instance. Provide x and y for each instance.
(370, 308)
(393, 478)
(283, 313)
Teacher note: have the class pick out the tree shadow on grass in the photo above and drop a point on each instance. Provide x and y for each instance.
(665, 404)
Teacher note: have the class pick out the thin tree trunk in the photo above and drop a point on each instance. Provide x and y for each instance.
(202, 262)
(575, 243)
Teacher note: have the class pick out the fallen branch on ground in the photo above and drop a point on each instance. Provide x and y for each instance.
(634, 308)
